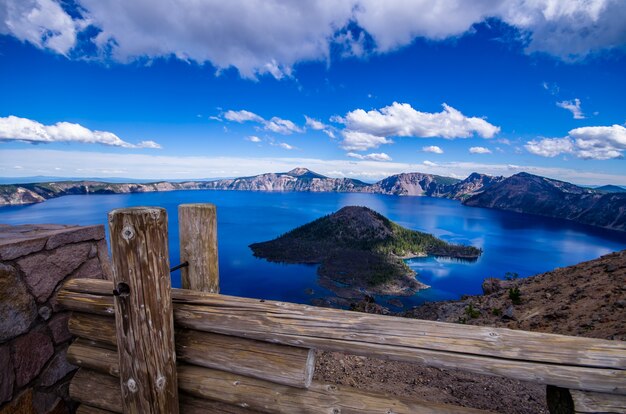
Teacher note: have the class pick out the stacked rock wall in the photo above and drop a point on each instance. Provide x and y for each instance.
(34, 262)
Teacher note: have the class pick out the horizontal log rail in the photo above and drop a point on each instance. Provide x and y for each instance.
(595, 402)
(236, 391)
(99, 393)
(286, 365)
(568, 362)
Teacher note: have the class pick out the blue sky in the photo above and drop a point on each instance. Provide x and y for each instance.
(358, 88)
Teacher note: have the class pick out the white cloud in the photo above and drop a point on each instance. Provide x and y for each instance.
(243, 116)
(148, 144)
(573, 107)
(369, 129)
(433, 148)
(253, 138)
(315, 124)
(550, 147)
(361, 141)
(319, 126)
(375, 156)
(13, 128)
(282, 145)
(90, 164)
(504, 141)
(270, 36)
(479, 150)
(285, 146)
(430, 163)
(281, 126)
(400, 119)
(594, 142)
(569, 29)
(275, 124)
(43, 23)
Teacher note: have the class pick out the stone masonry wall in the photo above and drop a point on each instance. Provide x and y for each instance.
(35, 260)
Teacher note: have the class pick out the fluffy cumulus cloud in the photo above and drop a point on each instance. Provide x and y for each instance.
(550, 147)
(361, 141)
(375, 156)
(433, 148)
(13, 128)
(275, 124)
(594, 142)
(573, 107)
(43, 23)
(479, 150)
(253, 138)
(271, 36)
(369, 129)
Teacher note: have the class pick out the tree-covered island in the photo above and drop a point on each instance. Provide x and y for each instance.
(360, 252)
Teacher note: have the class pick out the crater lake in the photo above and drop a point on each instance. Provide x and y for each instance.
(511, 242)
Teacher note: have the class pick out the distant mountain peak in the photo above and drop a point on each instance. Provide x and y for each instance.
(296, 172)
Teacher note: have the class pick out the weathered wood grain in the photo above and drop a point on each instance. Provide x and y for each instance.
(94, 327)
(258, 395)
(197, 226)
(281, 364)
(595, 402)
(84, 354)
(276, 363)
(262, 319)
(96, 390)
(143, 310)
(404, 339)
(318, 399)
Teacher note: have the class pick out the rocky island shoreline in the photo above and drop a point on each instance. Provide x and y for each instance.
(360, 252)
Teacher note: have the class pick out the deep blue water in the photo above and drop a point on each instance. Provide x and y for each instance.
(511, 242)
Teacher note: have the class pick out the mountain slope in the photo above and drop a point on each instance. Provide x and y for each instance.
(414, 184)
(474, 184)
(611, 189)
(532, 194)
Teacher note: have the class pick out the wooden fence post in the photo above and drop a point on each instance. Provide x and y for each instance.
(197, 224)
(143, 310)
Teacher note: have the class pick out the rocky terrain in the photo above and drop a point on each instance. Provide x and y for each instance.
(524, 193)
(588, 299)
(361, 251)
(532, 194)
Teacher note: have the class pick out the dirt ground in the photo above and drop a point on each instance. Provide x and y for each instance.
(588, 299)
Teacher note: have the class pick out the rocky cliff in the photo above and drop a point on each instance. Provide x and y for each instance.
(298, 179)
(532, 194)
(414, 184)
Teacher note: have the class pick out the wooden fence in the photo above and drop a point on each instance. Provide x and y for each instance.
(143, 347)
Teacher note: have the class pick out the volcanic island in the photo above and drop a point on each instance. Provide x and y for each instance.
(360, 252)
